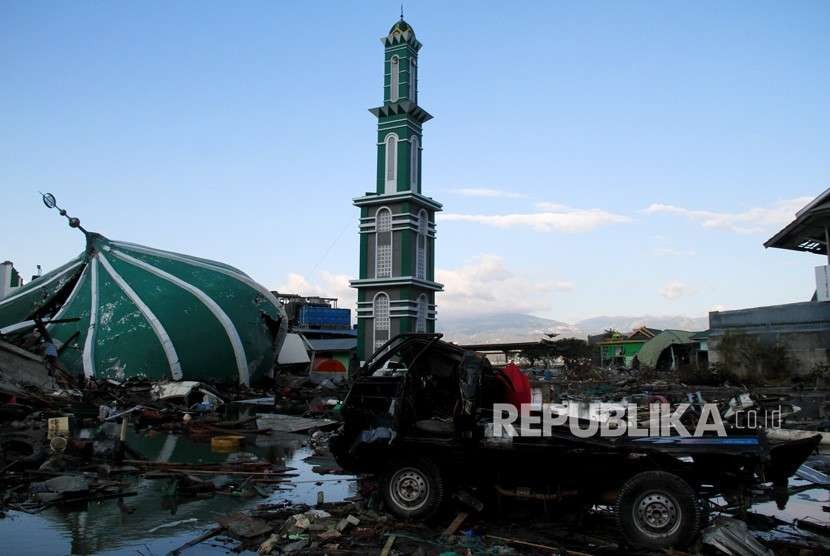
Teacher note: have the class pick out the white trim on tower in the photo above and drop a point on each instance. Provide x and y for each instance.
(382, 323)
(394, 78)
(384, 251)
(414, 158)
(390, 171)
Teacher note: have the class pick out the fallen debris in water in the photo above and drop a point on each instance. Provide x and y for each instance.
(732, 536)
(807, 473)
(53, 444)
(289, 423)
(172, 524)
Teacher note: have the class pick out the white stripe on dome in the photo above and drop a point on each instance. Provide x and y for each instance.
(88, 356)
(45, 283)
(207, 301)
(155, 323)
(70, 298)
(203, 263)
(163, 252)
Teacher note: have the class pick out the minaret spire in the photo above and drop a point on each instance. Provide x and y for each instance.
(52, 203)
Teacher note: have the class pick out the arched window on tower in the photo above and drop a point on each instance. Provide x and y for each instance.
(414, 151)
(421, 316)
(383, 243)
(394, 78)
(391, 163)
(413, 80)
(382, 321)
(421, 248)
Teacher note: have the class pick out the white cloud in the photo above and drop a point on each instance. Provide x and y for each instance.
(563, 286)
(326, 285)
(486, 285)
(676, 289)
(552, 217)
(753, 220)
(487, 192)
(553, 207)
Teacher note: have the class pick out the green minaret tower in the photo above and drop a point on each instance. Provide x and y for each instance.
(396, 288)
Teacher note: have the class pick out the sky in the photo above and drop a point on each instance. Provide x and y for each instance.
(593, 158)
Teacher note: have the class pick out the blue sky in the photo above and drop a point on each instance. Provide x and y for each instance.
(239, 132)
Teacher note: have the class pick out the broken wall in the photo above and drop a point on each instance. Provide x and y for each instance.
(802, 329)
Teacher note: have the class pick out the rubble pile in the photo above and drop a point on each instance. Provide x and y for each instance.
(353, 528)
(66, 446)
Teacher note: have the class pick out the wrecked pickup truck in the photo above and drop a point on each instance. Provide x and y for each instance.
(420, 416)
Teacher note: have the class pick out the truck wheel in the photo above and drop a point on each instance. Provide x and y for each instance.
(657, 510)
(413, 490)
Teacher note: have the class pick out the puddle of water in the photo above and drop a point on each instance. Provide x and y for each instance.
(103, 528)
(803, 505)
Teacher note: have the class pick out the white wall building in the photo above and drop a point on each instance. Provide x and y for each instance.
(9, 279)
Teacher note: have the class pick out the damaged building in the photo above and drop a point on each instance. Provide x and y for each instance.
(321, 339)
(793, 338)
(616, 348)
(10, 278)
(120, 310)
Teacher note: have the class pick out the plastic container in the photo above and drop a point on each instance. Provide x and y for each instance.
(229, 443)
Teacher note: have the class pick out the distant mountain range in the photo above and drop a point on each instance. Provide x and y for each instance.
(516, 327)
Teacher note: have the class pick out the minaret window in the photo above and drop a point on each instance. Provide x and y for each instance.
(383, 245)
(421, 317)
(413, 80)
(382, 321)
(391, 163)
(414, 148)
(394, 78)
(421, 255)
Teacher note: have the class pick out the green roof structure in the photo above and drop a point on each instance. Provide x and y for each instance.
(650, 352)
(136, 311)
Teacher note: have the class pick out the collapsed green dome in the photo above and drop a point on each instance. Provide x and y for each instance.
(145, 312)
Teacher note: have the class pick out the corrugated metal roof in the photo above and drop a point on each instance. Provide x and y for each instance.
(336, 344)
(327, 331)
(807, 232)
(293, 351)
(700, 336)
(651, 350)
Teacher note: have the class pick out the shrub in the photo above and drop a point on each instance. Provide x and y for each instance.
(754, 359)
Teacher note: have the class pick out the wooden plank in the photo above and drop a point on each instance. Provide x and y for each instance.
(535, 545)
(456, 523)
(201, 538)
(388, 546)
(11, 348)
(265, 474)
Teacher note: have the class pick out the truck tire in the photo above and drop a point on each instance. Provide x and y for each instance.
(657, 510)
(413, 490)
